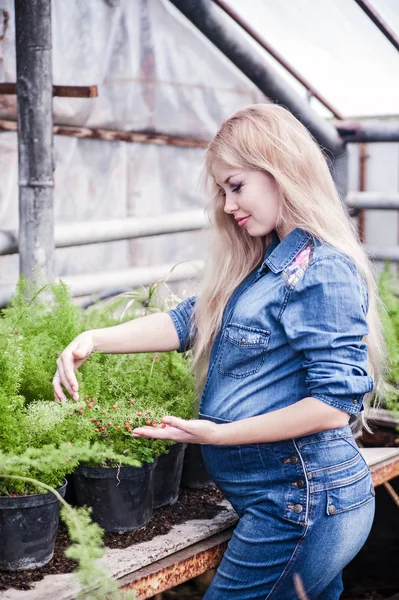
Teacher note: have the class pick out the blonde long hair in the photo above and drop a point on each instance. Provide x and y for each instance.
(268, 137)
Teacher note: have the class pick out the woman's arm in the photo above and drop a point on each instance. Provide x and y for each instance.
(153, 333)
(305, 417)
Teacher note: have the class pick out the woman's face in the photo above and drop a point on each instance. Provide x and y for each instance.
(251, 198)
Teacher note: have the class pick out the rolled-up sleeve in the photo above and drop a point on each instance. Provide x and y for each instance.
(182, 320)
(325, 320)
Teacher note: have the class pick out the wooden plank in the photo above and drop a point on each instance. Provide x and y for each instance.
(64, 91)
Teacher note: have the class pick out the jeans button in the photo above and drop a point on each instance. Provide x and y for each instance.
(298, 508)
(294, 460)
(300, 483)
(332, 510)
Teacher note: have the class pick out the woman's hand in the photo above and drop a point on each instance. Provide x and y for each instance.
(195, 431)
(69, 360)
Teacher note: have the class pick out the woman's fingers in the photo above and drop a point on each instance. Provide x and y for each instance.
(64, 378)
(59, 395)
(69, 360)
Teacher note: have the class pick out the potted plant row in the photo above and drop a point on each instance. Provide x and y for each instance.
(42, 442)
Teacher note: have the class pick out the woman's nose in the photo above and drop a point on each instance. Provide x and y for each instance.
(230, 204)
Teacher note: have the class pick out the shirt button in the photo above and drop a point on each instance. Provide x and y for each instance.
(300, 483)
(294, 460)
(332, 510)
(355, 401)
(243, 341)
(298, 508)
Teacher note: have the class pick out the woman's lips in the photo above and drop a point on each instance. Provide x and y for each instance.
(243, 221)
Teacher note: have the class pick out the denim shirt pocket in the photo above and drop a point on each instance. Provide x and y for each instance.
(243, 350)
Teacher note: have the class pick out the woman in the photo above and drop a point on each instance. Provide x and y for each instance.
(278, 335)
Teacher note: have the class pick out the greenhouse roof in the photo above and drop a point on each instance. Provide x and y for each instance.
(336, 47)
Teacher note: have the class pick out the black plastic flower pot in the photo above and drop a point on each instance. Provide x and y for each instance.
(167, 476)
(70, 495)
(28, 527)
(194, 473)
(121, 498)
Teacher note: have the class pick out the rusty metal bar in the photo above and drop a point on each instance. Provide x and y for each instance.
(279, 58)
(392, 493)
(110, 135)
(361, 224)
(64, 91)
(178, 567)
(384, 471)
(382, 25)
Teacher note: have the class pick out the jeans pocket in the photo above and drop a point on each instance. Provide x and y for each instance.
(243, 350)
(348, 497)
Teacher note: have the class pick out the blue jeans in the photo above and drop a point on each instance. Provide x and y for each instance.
(306, 506)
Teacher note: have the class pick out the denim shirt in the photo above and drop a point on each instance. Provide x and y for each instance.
(292, 329)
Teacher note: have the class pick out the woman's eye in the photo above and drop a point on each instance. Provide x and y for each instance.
(237, 187)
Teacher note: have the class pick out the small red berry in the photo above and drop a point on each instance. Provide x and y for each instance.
(90, 405)
(98, 423)
(139, 414)
(93, 420)
(131, 400)
(81, 411)
(103, 412)
(115, 406)
(163, 425)
(109, 423)
(148, 411)
(103, 428)
(127, 426)
(96, 429)
(118, 427)
(148, 422)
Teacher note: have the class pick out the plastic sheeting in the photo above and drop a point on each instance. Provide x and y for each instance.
(155, 72)
(154, 69)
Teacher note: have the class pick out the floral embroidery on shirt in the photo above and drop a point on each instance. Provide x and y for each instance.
(295, 271)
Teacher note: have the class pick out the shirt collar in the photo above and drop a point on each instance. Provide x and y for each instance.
(281, 252)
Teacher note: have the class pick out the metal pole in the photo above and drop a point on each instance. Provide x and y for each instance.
(379, 22)
(373, 130)
(222, 32)
(95, 232)
(35, 136)
(279, 58)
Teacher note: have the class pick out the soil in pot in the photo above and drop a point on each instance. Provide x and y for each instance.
(167, 476)
(121, 497)
(28, 527)
(194, 473)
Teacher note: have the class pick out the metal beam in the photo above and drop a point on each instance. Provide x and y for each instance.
(35, 136)
(374, 15)
(223, 33)
(372, 200)
(95, 232)
(373, 130)
(277, 56)
(94, 283)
